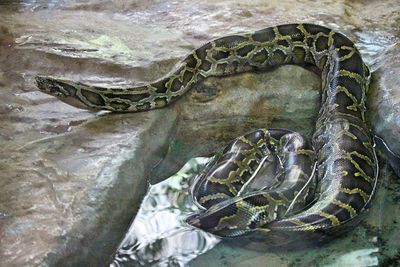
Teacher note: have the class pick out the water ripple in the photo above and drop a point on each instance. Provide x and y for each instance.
(158, 236)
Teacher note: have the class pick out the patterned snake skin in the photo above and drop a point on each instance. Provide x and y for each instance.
(221, 188)
(346, 165)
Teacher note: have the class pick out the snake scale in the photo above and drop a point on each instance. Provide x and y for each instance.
(298, 199)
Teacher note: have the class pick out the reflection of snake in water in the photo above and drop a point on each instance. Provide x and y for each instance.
(346, 166)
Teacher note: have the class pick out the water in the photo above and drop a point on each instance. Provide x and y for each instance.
(158, 235)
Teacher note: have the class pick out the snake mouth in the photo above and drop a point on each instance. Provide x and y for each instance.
(193, 220)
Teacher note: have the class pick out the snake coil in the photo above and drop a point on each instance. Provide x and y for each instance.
(342, 149)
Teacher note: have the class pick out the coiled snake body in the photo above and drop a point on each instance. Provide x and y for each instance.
(342, 149)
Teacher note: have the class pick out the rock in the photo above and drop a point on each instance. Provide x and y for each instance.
(384, 102)
(58, 193)
(71, 180)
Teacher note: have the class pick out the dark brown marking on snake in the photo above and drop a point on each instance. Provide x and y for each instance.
(93, 98)
(245, 50)
(266, 35)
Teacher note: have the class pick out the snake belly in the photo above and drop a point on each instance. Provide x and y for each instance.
(346, 165)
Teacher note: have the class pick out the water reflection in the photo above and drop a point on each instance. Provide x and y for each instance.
(158, 236)
(372, 44)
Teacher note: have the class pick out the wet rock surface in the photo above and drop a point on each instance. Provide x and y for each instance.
(384, 101)
(72, 180)
(67, 196)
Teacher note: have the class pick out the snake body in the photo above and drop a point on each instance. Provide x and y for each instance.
(230, 210)
(346, 166)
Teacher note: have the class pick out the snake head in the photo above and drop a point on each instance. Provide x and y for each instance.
(234, 217)
(209, 223)
(52, 86)
(64, 90)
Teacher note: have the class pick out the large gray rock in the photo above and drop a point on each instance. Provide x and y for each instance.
(68, 196)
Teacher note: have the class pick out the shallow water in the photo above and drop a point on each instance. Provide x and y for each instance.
(72, 180)
(158, 235)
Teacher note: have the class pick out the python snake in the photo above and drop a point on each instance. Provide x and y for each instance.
(297, 200)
